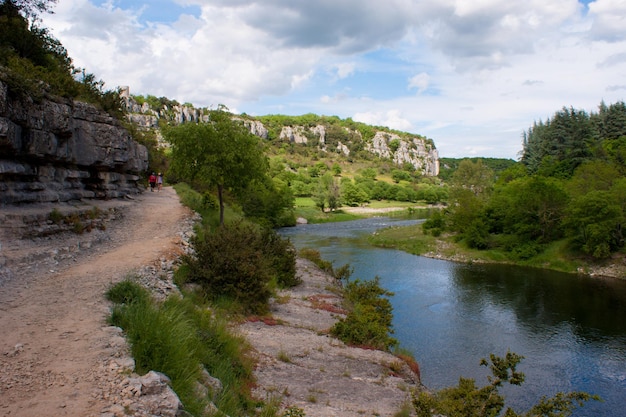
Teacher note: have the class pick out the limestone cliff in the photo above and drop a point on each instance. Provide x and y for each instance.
(57, 150)
(400, 149)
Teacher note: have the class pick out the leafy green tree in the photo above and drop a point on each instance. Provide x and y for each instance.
(595, 221)
(222, 154)
(469, 400)
(596, 175)
(530, 207)
(474, 176)
(399, 175)
(352, 194)
(268, 201)
(369, 173)
(327, 193)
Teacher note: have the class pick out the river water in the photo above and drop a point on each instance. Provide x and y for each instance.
(570, 329)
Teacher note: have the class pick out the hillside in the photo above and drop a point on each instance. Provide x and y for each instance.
(316, 137)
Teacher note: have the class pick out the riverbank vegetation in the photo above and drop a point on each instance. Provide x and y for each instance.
(469, 400)
(562, 206)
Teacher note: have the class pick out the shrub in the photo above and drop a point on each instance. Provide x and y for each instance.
(281, 256)
(369, 321)
(237, 262)
(127, 292)
(469, 400)
(55, 216)
(314, 256)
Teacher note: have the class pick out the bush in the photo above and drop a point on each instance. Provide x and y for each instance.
(469, 400)
(238, 261)
(369, 321)
(127, 292)
(281, 256)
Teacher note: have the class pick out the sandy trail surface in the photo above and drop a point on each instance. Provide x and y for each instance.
(55, 344)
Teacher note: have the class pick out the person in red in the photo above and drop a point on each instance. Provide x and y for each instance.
(152, 180)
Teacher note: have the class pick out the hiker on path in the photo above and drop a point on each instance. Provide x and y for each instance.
(159, 181)
(152, 180)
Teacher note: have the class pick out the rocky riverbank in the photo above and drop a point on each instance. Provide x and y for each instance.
(58, 355)
(302, 365)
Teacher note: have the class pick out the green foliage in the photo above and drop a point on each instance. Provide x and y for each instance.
(368, 322)
(179, 339)
(222, 154)
(34, 62)
(268, 201)
(327, 193)
(352, 194)
(237, 262)
(342, 273)
(448, 166)
(595, 221)
(399, 175)
(469, 400)
(127, 292)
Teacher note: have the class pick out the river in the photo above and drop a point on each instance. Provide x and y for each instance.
(570, 329)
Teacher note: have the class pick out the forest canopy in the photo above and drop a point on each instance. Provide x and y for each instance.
(569, 185)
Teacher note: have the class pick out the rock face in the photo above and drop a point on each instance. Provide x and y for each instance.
(61, 150)
(408, 149)
(416, 151)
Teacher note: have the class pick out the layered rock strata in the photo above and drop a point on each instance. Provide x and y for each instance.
(58, 150)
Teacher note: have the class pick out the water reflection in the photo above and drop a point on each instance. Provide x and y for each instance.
(544, 299)
(571, 329)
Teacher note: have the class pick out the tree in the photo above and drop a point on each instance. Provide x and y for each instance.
(595, 221)
(32, 8)
(531, 208)
(327, 193)
(468, 400)
(352, 194)
(221, 153)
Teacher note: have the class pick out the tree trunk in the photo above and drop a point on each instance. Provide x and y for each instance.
(220, 190)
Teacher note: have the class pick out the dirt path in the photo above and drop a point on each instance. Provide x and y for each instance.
(55, 346)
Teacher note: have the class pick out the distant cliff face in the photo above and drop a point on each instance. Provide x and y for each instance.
(61, 150)
(414, 150)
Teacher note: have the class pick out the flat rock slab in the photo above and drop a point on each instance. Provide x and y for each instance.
(305, 367)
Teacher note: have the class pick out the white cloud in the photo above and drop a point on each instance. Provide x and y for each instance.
(390, 118)
(483, 70)
(420, 82)
(345, 69)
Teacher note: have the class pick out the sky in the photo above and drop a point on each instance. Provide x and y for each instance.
(472, 75)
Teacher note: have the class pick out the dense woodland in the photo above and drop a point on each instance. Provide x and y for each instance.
(569, 186)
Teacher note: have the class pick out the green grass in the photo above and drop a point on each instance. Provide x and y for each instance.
(205, 205)
(556, 256)
(410, 239)
(179, 338)
(305, 207)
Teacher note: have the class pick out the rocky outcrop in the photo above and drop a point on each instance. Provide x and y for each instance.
(415, 151)
(408, 149)
(59, 150)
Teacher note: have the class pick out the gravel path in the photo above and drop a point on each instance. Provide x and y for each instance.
(58, 357)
